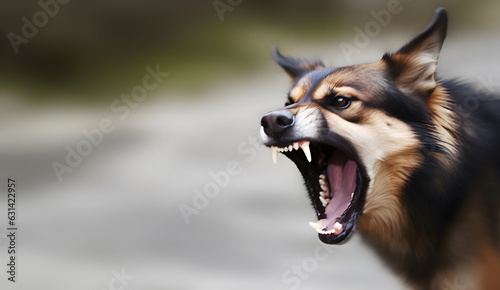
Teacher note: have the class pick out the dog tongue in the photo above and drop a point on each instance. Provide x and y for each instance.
(342, 178)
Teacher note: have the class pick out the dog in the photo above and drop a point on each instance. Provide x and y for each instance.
(393, 152)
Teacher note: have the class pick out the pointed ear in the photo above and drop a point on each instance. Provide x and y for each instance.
(295, 67)
(413, 67)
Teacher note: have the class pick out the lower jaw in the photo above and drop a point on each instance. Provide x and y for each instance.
(342, 237)
(343, 219)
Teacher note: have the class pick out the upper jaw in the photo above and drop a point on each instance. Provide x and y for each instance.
(304, 145)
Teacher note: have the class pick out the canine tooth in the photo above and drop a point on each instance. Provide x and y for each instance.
(307, 151)
(274, 154)
(314, 225)
(296, 145)
(338, 226)
(352, 195)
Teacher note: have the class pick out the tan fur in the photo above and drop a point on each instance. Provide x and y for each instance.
(486, 255)
(300, 89)
(445, 120)
(418, 72)
(348, 91)
(322, 91)
(488, 265)
(389, 151)
(325, 89)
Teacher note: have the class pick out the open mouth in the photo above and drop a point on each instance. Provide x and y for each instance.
(335, 184)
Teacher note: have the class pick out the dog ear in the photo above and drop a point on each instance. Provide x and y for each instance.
(413, 67)
(295, 67)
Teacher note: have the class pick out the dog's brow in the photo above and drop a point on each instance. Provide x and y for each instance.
(326, 89)
(347, 90)
(299, 90)
(322, 91)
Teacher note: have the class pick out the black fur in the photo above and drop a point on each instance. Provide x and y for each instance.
(433, 197)
(448, 188)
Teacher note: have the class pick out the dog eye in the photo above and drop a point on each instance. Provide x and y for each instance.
(341, 102)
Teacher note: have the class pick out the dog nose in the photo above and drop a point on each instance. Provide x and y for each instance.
(275, 123)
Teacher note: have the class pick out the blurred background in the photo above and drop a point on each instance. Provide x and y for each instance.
(118, 118)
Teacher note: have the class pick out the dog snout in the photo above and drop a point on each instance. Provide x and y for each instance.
(276, 123)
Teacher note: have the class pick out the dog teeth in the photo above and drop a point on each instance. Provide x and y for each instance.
(323, 200)
(338, 226)
(315, 226)
(332, 231)
(295, 146)
(323, 185)
(307, 151)
(322, 194)
(322, 180)
(274, 152)
(324, 231)
(352, 195)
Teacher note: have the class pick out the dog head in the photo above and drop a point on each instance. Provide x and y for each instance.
(353, 132)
